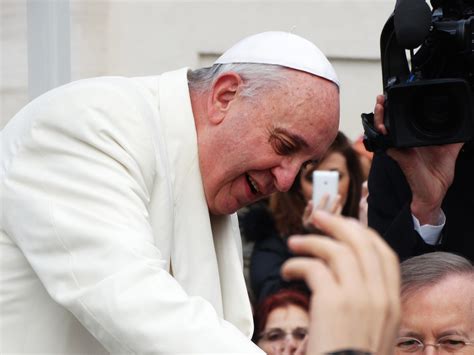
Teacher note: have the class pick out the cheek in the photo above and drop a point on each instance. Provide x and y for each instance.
(266, 346)
(306, 189)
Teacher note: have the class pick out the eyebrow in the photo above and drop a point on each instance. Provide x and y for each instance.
(285, 329)
(295, 137)
(452, 332)
(413, 334)
(410, 334)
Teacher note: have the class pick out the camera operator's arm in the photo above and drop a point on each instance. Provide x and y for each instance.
(407, 195)
(389, 209)
(429, 172)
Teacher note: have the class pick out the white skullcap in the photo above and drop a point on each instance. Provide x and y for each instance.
(280, 48)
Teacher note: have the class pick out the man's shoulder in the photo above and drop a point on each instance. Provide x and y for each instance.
(104, 85)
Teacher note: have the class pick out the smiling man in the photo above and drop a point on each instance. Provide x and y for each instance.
(250, 147)
(437, 294)
(119, 234)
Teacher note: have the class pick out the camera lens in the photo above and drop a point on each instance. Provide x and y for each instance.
(437, 113)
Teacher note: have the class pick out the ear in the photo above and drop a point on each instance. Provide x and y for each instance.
(223, 93)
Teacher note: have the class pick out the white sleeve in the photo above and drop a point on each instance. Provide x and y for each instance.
(78, 189)
(429, 232)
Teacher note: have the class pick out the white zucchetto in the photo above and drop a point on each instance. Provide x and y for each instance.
(280, 48)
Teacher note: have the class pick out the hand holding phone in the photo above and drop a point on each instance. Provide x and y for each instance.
(325, 189)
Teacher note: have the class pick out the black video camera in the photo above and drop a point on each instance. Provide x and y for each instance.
(430, 103)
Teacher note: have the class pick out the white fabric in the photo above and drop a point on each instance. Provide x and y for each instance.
(429, 232)
(106, 242)
(280, 48)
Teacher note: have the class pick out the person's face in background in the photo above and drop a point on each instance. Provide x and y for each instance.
(256, 146)
(444, 311)
(286, 328)
(334, 161)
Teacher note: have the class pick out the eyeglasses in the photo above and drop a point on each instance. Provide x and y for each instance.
(448, 344)
(278, 334)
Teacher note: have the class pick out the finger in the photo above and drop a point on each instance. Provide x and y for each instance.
(390, 265)
(380, 99)
(337, 206)
(379, 268)
(307, 214)
(391, 271)
(337, 256)
(360, 240)
(384, 293)
(314, 272)
(308, 210)
(322, 205)
(351, 232)
(379, 115)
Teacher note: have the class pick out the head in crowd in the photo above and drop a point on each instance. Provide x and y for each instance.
(287, 208)
(258, 120)
(437, 294)
(281, 321)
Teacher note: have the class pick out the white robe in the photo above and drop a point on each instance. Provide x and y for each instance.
(106, 241)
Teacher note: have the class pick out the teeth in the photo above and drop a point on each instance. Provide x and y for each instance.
(254, 184)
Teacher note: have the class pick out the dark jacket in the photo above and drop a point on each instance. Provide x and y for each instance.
(269, 253)
(389, 209)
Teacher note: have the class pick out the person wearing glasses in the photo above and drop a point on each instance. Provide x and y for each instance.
(281, 322)
(437, 294)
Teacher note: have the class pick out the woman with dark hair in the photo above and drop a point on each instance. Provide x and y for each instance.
(281, 322)
(286, 211)
(287, 208)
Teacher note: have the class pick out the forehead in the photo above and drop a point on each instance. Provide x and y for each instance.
(288, 316)
(448, 305)
(332, 161)
(308, 106)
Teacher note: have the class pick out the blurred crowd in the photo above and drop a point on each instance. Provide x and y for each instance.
(437, 289)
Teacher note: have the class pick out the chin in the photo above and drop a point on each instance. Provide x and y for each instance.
(224, 209)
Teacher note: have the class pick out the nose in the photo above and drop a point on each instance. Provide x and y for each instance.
(291, 344)
(285, 173)
(430, 349)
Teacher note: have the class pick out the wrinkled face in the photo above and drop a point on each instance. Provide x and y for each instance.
(334, 162)
(286, 328)
(260, 144)
(443, 312)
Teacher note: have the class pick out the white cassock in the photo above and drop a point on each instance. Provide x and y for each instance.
(106, 241)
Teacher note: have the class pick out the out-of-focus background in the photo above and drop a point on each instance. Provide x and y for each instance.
(45, 43)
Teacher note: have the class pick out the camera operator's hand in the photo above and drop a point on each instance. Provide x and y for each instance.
(428, 170)
(355, 281)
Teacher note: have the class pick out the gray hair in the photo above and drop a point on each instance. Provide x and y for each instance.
(255, 76)
(429, 269)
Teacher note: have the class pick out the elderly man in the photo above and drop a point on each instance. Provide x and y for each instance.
(117, 230)
(437, 294)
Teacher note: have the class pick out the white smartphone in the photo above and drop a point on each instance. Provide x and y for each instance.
(325, 182)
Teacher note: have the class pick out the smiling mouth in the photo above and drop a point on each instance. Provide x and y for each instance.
(253, 185)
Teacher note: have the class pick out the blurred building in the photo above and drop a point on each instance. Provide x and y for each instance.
(147, 37)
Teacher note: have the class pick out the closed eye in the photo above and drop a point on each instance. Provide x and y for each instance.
(282, 145)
